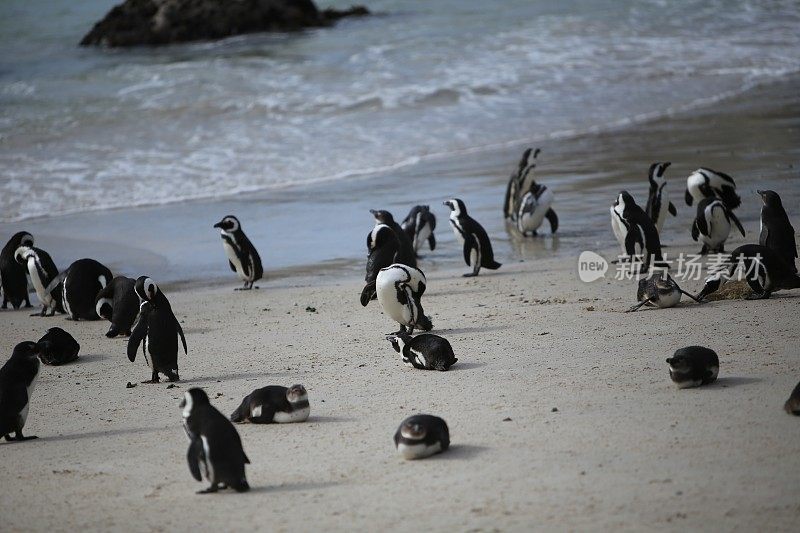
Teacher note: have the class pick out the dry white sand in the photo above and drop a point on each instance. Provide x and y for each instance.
(625, 449)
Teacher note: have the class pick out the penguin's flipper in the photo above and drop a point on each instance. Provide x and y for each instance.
(194, 455)
(630, 241)
(139, 332)
(636, 307)
(688, 197)
(245, 458)
(691, 296)
(183, 339)
(233, 268)
(470, 243)
(56, 282)
(553, 219)
(367, 292)
(695, 231)
(736, 221)
(432, 241)
(672, 210)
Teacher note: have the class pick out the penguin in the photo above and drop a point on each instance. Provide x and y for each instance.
(215, 449)
(425, 351)
(58, 347)
(42, 271)
(405, 250)
(382, 246)
(632, 226)
(242, 255)
(13, 274)
(658, 204)
(713, 225)
(659, 290)
(765, 272)
(80, 283)
(776, 230)
(400, 289)
(477, 247)
(517, 183)
(707, 183)
(119, 304)
(157, 330)
(792, 405)
(17, 381)
(693, 366)
(274, 404)
(534, 207)
(419, 225)
(421, 436)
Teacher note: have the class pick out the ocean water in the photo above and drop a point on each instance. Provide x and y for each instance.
(130, 156)
(90, 129)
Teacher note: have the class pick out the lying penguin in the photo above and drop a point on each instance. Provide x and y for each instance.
(274, 403)
(792, 405)
(58, 347)
(421, 436)
(659, 290)
(693, 366)
(426, 351)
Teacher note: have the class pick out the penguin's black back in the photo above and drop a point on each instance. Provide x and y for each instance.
(58, 347)
(82, 285)
(12, 274)
(472, 227)
(436, 429)
(125, 306)
(15, 376)
(225, 445)
(271, 398)
(249, 249)
(436, 347)
(777, 232)
(405, 250)
(636, 216)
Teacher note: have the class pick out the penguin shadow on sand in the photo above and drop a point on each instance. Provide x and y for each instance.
(725, 382)
(253, 376)
(102, 434)
(459, 452)
(292, 487)
(476, 329)
(466, 365)
(314, 419)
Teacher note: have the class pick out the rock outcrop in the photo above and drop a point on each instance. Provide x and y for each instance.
(155, 22)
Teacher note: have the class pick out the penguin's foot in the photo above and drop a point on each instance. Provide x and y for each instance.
(172, 376)
(152, 381)
(111, 333)
(20, 438)
(213, 488)
(469, 275)
(38, 314)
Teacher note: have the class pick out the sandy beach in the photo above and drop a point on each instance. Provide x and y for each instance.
(561, 412)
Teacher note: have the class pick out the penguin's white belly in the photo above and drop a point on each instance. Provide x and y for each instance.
(208, 465)
(418, 451)
(620, 231)
(38, 286)
(662, 212)
(693, 183)
(147, 353)
(387, 297)
(234, 259)
(669, 300)
(64, 298)
(533, 218)
(422, 236)
(298, 415)
(24, 413)
(457, 230)
(718, 227)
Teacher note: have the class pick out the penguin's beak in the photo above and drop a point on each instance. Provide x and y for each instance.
(667, 164)
(218, 224)
(760, 192)
(373, 212)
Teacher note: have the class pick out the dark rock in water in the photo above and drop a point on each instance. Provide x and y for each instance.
(154, 22)
(58, 347)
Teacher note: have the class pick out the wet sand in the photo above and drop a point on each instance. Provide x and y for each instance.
(561, 411)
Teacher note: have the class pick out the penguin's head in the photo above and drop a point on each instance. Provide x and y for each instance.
(229, 224)
(296, 393)
(383, 234)
(657, 171)
(456, 206)
(678, 363)
(26, 350)
(145, 288)
(382, 217)
(21, 238)
(413, 430)
(770, 198)
(23, 254)
(192, 398)
(103, 308)
(712, 285)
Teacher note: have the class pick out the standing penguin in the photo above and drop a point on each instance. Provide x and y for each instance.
(713, 225)
(13, 274)
(765, 272)
(400, 289)
(17, 381)
(421, 436)
(215, 449)
(405, 249)
(42, 271)
(658, 204)
(58, 347)
(477, 247)
(632, 226)
(519, 182)
(274, 403)
(80, 284)
(157, 330)
(776, 230)
(426, 351)
(242, 255)
(534, 207)
(419, 226)
(382, 245)
(707, 183)
(119, 304)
